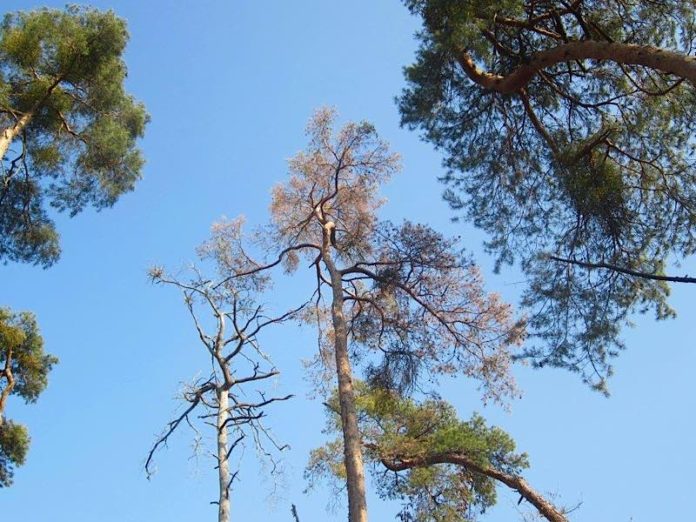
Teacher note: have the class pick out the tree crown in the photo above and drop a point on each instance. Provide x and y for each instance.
(24, 371)
(336, 179)
(414, 298)
(69, 129)
(21, 351)
(396, 429)
(568, 137)
(14, 445)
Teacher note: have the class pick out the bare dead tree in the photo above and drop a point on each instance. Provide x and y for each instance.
(238, 363)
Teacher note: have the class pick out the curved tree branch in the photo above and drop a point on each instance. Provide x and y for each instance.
(662, 60)
(544, 506)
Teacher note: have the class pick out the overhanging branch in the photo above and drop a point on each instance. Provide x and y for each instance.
(544, 506)
(627, 271)
(669, 62)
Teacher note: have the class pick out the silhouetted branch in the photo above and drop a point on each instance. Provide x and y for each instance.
(173, 425)
(627, 271)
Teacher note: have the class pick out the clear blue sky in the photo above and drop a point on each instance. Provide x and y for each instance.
(230, 85)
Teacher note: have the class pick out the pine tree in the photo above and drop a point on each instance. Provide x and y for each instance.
(24, 371)
(567, 129)
(68, 129)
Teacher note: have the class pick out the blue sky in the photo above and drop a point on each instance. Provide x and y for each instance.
(230, 86)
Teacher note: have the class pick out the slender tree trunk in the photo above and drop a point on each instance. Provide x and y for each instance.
(352, 444)
(223, 462)
(6, 373)
(8, 135)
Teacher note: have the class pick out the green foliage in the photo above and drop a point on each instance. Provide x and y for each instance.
(14, 444)
(63, 72)
(24, 371)
(396, 428)
(453, 23)
(591, 161)
(596, 190)
(21, 342)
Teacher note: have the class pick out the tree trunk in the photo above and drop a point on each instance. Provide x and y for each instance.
(7, 136)
(352, 444)
(223, 462)
(6, 373)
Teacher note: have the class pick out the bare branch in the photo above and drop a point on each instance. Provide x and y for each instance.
(268, 266)
(194, 401)
(627, 271)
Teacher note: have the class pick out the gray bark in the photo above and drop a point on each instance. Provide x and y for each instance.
(223, 461)
(352, 443)
(8, 135)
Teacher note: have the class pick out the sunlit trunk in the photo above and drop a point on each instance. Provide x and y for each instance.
(7, 136)
(223, 462)
(352, 448)
(9, 386)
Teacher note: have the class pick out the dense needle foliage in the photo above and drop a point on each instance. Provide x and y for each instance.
(68, 129)
(395, 429)
(24, 368)
(568, 137)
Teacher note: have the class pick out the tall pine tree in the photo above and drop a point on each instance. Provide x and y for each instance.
(568, 135)
(68, 129)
